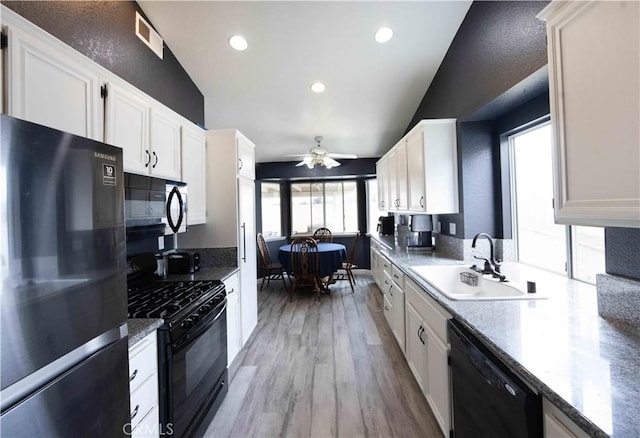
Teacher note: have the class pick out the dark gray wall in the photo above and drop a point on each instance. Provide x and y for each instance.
(287, 170)
(494, 65)
(105, 32)
(498, 45)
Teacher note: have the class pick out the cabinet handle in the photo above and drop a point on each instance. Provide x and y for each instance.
(386, 308)
(240, 163)
(421, 201)
(133, 376)
(155, 163)
(244, 242)
(148, 158)
(420, 335)
(135, 412)
(391, 290)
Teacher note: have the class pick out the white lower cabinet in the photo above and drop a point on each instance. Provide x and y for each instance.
(143, 387)
(428, 351)
(234, 338)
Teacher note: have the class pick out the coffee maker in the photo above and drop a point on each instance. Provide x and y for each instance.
(386, 225)
(422, 224)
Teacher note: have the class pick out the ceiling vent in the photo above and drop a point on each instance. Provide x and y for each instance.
(149, 36)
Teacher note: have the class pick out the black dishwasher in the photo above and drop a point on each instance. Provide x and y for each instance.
(488, 400)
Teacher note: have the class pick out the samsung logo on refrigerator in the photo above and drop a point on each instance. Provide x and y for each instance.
(104, 156)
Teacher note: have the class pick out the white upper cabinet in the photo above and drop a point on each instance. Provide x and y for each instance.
(165, 143)
(127, 126)
(194, 158)
(420, 173)
(594, 86)
(49, 83)
(432, 167)
(246, 157)
(383, 185)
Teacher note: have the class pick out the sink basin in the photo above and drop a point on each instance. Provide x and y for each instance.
(447, 279)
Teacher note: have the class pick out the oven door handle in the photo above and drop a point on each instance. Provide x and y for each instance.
(187, 340)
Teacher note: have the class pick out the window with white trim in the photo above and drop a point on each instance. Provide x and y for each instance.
(271, 210)
(333, 205)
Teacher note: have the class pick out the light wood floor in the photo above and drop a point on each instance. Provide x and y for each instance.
(323, 368)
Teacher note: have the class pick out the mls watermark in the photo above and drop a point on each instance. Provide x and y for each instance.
(143, 429)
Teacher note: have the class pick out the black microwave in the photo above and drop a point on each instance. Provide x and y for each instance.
(154, 206)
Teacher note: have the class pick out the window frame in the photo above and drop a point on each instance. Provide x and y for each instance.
(282, 234)
(508, 139)
(324, 209)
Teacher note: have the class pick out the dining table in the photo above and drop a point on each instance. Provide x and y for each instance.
(330, 258)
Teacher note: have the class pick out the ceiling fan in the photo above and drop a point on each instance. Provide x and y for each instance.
(321, 157)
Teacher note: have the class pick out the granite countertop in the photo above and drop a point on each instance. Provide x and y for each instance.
(139, 328)
(218, 273)
(585, 365)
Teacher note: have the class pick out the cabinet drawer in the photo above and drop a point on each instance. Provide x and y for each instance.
(434, 315)
(149, 426)
(397, 276)
(143, 399)
(386, 265)
(143, 361)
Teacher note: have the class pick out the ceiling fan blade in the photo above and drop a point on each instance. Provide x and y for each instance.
(344, 156)
(329, 162)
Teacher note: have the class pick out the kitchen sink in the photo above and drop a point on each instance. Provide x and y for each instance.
(459, 282)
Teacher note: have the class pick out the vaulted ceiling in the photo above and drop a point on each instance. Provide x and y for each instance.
(372, 89)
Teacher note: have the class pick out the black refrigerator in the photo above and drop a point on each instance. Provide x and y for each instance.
(63, 314)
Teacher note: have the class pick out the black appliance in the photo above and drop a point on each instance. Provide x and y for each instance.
(192, 344)
(488, 399)
(63, 335)
(154, 207)
(422, 224)
(386, 225)
(183, 262)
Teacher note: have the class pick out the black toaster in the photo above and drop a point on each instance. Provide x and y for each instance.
(183, 262)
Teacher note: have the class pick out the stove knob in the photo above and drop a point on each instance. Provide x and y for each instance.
(195, 317)
(205, 308)
(187, 323)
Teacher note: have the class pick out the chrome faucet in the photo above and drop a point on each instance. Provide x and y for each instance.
(491, 265)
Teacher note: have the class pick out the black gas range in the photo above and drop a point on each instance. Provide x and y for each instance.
(192, 344)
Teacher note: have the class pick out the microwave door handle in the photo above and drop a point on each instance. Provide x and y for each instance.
(172, 225)
(181, 216)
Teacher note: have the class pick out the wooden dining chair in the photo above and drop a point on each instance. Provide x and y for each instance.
(304, 265)
(349, 265)
(270, 270)
(323, 235)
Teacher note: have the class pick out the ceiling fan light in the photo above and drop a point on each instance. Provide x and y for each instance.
(318, 87)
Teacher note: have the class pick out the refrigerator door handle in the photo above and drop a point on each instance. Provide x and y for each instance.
(20, 389)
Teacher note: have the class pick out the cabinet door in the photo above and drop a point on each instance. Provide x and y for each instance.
(596, 136)
(397, 309)
(383, 183)
(415, 171)
(415, 349)
(247, 252)
(386, 308)
(392, 179)
(127, 126)
(401, 176)
(50, 86)
(234, 337)
(165, 143)
(194, 159)
(246, 158)
(438, 379)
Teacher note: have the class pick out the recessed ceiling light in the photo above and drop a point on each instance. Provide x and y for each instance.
(318, 87)
(383, 34)
(238, 43)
